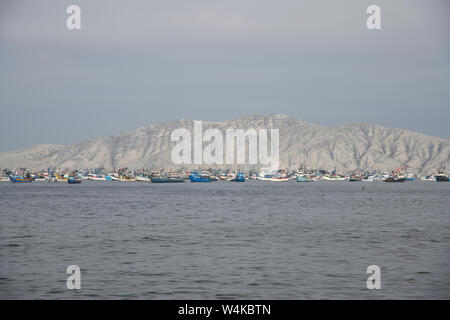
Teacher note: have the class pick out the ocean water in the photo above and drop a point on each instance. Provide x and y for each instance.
(252, 240)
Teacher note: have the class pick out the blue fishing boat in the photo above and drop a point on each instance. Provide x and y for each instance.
(74, 179)
(197, 177)
(240, 177)
(17, 179)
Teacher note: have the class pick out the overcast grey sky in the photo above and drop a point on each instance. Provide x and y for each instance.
(135, 63)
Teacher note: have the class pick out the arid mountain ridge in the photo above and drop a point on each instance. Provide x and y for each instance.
(348, 147)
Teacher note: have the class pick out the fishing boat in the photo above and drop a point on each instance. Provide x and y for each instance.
(127, 178)
(4, 179)
(162, 179)
(302, 178)
(280, 179)
(272, 176)
(198, 177)
(59, 178)
(441, 176)
(333, 177)
(74, 180)
(96, 177)
(394, 179)
(354, 178)
(143, 178)
(368, 178)
(240, 177)
(17, 179)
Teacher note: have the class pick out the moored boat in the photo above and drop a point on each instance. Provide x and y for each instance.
(74, 180)
(302, 178)
(333, 177)
(17, 179)
(441, 176)
(279, 179)
(368, 178)
(127, 178)
(142, 178)
(240, 177)
(394, 179)
(163, 179)
(96, 177)
(272, 176)
(354, 178)
(197, 177)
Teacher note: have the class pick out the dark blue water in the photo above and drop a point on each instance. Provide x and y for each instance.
(252, 240)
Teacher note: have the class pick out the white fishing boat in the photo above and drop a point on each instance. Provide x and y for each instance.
(279, 179)
(114, 178)
(333, 178)
(96, 177)
(368, 179)
(142, 178)
(264, 176)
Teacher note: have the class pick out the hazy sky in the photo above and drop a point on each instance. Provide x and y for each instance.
(135, 63)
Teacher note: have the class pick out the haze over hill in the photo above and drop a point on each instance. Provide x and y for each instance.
(345, 147)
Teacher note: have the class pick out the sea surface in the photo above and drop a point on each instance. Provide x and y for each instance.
(223, 240)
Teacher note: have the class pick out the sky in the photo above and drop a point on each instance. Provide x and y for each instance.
(135, 63)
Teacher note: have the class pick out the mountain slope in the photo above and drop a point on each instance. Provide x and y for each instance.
(346, 147)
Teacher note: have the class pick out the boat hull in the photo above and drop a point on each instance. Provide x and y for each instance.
(96, 178)
(302, 179)
(166, 180)
(142, 179)
(333, 179)
(394, 180)
(239, 178)
(273, 178)
(20, 180)
(195, 178)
